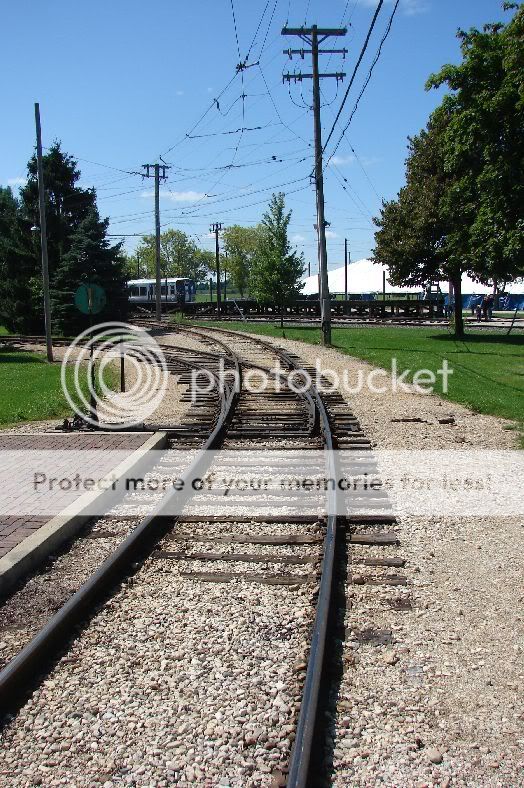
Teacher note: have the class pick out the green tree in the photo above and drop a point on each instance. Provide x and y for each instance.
(90, 259)
(276, 269)
(417, 238)
(461, 208)
(179, 256)
(240, 243)
(67, 204)
(483, 146)
(68, 209)
(21, 307)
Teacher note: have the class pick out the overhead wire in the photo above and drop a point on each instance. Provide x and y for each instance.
(355, 70)
(368, 78)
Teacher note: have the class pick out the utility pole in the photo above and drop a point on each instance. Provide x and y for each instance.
(225, 276)
(314, 36)
(158, 177)
(346, 269)
(137, 264)
(43, 236)
(216, 228)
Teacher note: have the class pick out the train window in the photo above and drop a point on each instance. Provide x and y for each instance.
(172, 289)
(142, 291)
(163, 290)
(133, 291)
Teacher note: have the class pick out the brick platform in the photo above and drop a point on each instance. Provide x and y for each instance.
(14, 529)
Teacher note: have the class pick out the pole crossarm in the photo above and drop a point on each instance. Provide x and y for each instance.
(302, 52)
(320, 31)
(338, 75)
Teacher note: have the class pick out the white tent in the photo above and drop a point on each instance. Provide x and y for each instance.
(364, 276)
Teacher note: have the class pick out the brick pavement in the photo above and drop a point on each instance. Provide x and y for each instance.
(14, 529)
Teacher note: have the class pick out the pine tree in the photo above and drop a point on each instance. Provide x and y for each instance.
(276, 270)
(90, 259)
(73, 228)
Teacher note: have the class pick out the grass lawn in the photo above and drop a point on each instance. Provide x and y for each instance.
(488, 368)
(30, 388)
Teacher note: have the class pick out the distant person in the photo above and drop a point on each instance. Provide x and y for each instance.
(491, 300)
(479, 308)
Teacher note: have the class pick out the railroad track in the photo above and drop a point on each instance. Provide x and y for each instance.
(291, 557)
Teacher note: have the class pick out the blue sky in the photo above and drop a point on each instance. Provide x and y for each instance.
(121, 82)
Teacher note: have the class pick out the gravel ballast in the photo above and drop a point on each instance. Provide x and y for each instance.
(443, 703)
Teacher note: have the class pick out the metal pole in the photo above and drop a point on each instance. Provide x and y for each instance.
(122, 369)
(225, 276)
(157, 243)
(216, 229)
(43, 236)
(325, 306)
(137, 264)
(346, 269)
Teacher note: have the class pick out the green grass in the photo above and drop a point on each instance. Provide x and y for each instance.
(30, 388)
(488, 368)
(3, 331)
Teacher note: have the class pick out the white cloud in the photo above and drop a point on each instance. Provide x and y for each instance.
(409, 7)
(340, 161)
(331, 234)
(188, 196)
(16, 181)
(297, 238)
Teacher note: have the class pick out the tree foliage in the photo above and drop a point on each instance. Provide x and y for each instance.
(90, 258)
(73, 224)
(240, 243)
(461, 207)
(179, 256)
(276, 269)
(484, 147)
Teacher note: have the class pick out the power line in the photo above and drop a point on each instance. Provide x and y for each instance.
(357, 64)
(235, 26)
(368, 78)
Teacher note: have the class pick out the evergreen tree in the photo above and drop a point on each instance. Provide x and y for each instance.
(91, 259)
(21, 307)
(71, 215)
(276, 269)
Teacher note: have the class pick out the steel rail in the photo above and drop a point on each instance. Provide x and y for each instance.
(19, 674)
(300, 760)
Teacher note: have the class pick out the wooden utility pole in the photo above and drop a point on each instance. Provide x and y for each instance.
(158, 177)
(43, 236)
(314, 36)
(345, 269)
(216, 228)
(137, 264)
